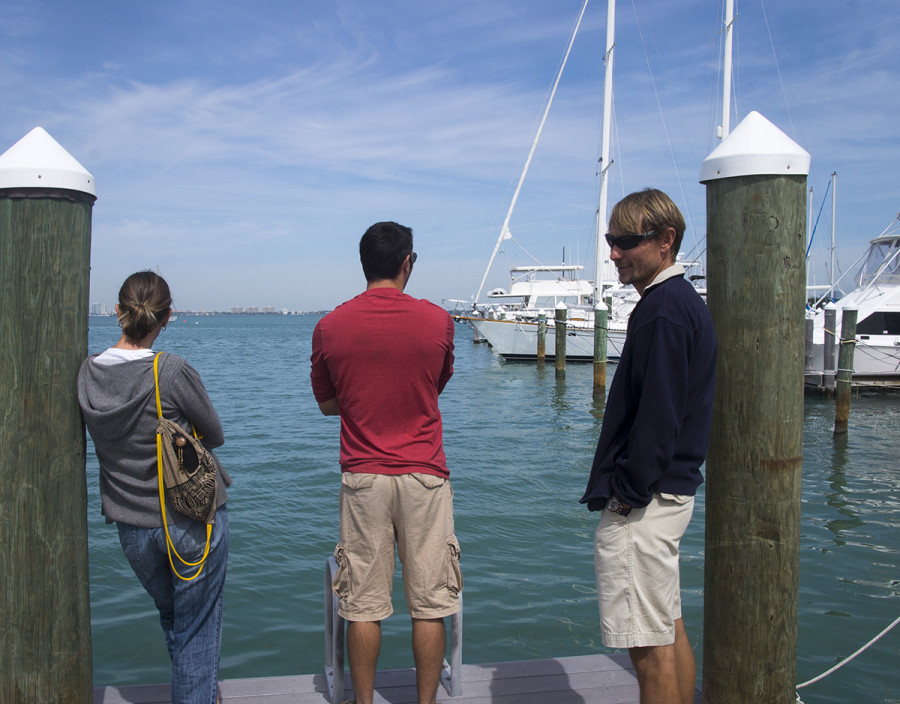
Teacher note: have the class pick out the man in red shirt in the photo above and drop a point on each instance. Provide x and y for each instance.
(379, 361)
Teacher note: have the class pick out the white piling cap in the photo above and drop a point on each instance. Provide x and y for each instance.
(38, 161)
(756, 147)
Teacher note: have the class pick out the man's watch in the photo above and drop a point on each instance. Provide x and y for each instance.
(617, 506)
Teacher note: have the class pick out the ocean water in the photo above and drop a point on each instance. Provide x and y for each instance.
(519, 444)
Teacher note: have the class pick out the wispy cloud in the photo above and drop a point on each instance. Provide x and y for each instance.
(262, 141)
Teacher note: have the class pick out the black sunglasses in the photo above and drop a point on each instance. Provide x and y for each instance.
(626, 242)
(412, 257)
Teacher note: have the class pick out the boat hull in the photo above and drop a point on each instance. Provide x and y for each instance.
(517, 339)
(875, 358)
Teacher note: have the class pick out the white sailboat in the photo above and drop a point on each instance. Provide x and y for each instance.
(509, 321)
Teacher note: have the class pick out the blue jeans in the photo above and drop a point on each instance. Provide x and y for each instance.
(190, 612)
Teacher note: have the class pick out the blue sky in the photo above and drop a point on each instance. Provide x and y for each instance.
(243, 148)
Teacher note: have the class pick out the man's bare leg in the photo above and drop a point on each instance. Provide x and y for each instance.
(666, 673)
(363, 646)
(657, 674)
(686, 664)
(429, 638)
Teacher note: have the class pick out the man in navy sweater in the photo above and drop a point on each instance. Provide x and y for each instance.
(654, 438)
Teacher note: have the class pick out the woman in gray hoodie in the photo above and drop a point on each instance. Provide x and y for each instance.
(117, 394)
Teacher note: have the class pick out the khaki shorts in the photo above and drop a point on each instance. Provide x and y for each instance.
(416, 512)
(636, 559)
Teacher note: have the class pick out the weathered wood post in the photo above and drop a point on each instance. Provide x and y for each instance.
(809, 354)
(542, 338)
(828, 350)
(756, 186)
(844, 372)
(46, 198)
(601, 316)
(559, 352)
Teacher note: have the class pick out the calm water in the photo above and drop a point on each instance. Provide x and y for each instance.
(519, 446)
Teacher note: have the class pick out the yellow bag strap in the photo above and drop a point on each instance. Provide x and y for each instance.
(170, 547)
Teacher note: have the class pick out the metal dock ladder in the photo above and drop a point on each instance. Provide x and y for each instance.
(451, 674)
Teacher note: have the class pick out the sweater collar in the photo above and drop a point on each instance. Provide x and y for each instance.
(666, 274)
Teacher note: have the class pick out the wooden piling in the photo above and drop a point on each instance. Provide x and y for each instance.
(756, 235)
(542, 338)
(828, 350)
(601, 317)
(809, 361)
(844, 372)
(46, 200)
(560, 351)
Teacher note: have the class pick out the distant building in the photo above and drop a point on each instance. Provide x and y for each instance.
(237, 310)
(253, 309)
(268, 309)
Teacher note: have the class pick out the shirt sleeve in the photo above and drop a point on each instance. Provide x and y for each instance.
(659, 378)
(192, 399)
(447, 370)
(319, 374)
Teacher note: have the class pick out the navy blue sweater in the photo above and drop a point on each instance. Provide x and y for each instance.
(656, 428)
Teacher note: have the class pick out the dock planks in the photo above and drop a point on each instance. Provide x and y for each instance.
(584, 679)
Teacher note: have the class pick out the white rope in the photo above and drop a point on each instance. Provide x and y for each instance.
(844, 662)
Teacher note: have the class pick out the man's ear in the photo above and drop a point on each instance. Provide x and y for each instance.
(667, 239)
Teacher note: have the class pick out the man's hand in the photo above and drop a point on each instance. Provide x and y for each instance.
(330, 407)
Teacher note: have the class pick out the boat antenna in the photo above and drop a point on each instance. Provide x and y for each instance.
(504, 231)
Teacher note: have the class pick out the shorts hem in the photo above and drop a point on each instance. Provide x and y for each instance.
(435, 613)
(639, 640)
(364, 617)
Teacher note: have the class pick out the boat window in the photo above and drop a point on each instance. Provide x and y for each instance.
(880, 323)
(882, 264)
(551, 301)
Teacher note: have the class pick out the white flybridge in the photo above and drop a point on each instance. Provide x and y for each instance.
(509, 322)
(876, 297)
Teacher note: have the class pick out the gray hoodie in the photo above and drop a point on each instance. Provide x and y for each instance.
(118, 403)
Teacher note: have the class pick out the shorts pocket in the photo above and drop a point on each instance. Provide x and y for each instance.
(429, 481)
(680, 499)
(454, 572)
(357, 480)
(340, 583)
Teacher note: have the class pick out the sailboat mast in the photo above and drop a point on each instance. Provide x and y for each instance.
(725, 127)
(833, 215)
(504, 231)
(602, 263)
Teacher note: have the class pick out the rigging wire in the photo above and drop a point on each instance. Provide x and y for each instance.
(787, 104)
(821, 208)
(504, 232)
(663, 116)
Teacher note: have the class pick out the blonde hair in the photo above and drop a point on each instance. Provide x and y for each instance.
(649, 210)
(144, 300)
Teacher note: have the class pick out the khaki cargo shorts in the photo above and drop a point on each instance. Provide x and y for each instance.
(415, 511)
(638, 583)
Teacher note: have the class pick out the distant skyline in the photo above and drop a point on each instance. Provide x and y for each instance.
(242, 149)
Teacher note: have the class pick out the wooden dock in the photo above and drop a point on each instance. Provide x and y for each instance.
(584, 679)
